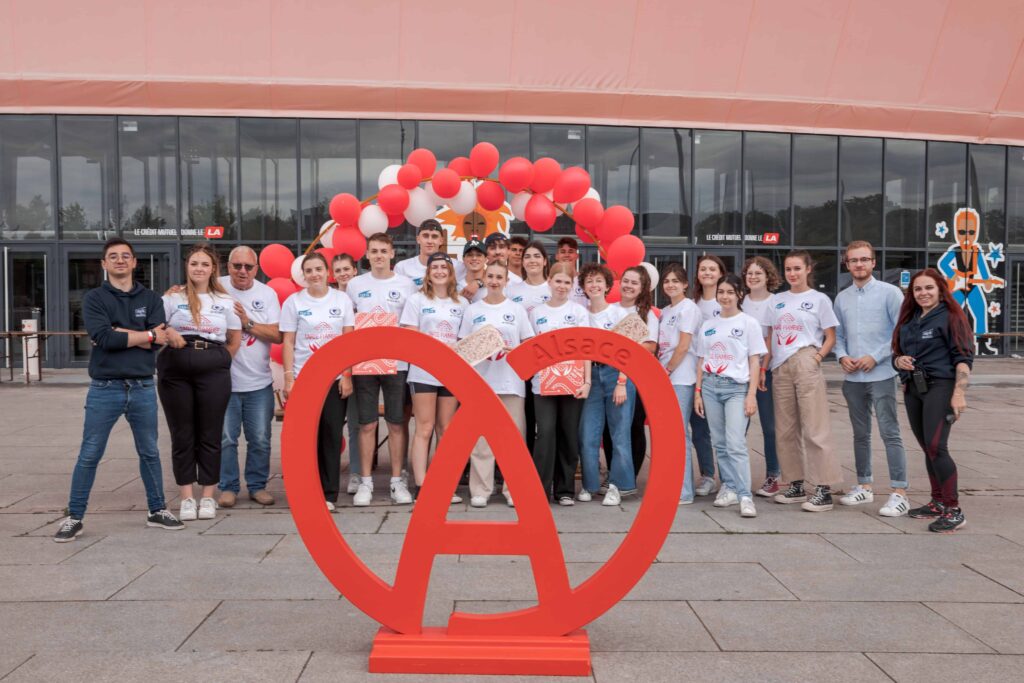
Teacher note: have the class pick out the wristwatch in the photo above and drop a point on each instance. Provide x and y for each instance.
(249, 325)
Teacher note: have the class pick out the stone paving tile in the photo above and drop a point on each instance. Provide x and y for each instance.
(790, 519)
(241, 666)
(891, 582)
(11, 661)
(335, 667)
(158, 546)
(63, 582)
(729, 667)
(26, 550)
(771, 550)
(932, 549)
(1005, 572)
(94, 627)
(697, 581)
(15, 524)
(244, 522)
(832, 627)
(916, 668)
(372, 548)
(1001, 627)
(236, 581)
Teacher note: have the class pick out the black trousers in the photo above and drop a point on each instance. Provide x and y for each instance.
(194, 387)
(927, 415)
(637, 435)
(328, 442)
(531, 416)
(556, 450)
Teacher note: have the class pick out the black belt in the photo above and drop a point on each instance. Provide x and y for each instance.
(201, 344)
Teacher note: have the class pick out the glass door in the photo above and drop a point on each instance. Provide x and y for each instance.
(28, 284)
(1015, 301)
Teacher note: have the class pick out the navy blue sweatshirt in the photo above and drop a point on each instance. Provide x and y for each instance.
(930, 341)
(107, 307)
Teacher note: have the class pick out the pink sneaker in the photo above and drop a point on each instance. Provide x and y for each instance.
(769, 488)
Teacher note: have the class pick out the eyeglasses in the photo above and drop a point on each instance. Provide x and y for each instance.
(119, 257)
(247, 267)
(858, 261)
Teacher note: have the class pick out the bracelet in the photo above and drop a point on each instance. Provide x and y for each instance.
(151, 335)
(697, 389)
(620, 384)
(764, 371)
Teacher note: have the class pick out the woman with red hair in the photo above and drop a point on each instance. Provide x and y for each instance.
(932, 347)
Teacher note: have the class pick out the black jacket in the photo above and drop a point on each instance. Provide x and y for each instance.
(107, 307)
(929, 341)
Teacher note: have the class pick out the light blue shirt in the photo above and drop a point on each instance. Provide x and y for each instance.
(867, 316)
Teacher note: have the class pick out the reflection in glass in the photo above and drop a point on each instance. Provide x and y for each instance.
(26, 177)
(269, 179)
(986, 175)
(860, 189)
(814, 189)
(665, 173)
(567, 146)
(149, 180)
(88, 176)
(898, 261)
(1015, 196)
(327, 166)
(511, 139)
(904, 193)
(826, 271)
(766, 185)
(612, 163)
(716, 186)
(26, 273)
(209, 175)
(382, 143)
(84, 273)
(947, 164)
(448, 139)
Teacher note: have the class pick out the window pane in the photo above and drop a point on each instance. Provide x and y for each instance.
(448, 139)
(26, 177)
(613, 164)
(766, 187)
(566, 145)
(986, 173)
(327, 167)
(149, 179)
(269, 179)
(716, 186)
(860, 189)
(209, 175)
(382, 143)
(898, 261)
(1014, 199)
(88, 176)
(904, 193)
(666, 177)
(511, 139)
(826, 270)
(946, 187)
(814, 190)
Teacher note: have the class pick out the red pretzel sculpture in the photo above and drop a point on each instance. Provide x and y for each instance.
(538, 640)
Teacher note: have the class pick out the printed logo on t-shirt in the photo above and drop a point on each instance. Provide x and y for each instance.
(206, 326)
(182, 307)
(710, 333)
(508, 318)
(248, 339)
(446, 333)
(318, 336)
(140, 312)
(426, 311)
(569, 318)
(928, 334)
(418, 281)
(518, 299)
(334, 312)
(257, 305)
(456, 311)
(780, 305)
(787, 330)
(480, 319)
(365, 294)
(807, 305)
(607, 325)
(545, 298)
(736, 332)
(718, 359)
(717, 313)
(394, 295)
(305, 313)
(216, 308)
(542, 321)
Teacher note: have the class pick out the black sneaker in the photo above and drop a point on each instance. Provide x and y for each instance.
(930, 511)
(164, 520)
(69, 530)
(951, 520)
(820, 501)
(794, 494)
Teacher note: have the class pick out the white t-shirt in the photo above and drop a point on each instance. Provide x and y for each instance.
(527, 295)
(652, 321)
(799, 320)
(216, 316)
(512, 321)
(315, 321)
(440, 318)
(416, 271)
(709, 308)
(725, 345)
(546, 318)
(578, 296)
(370, 294)
(608, 318)
(481, 292)
(761, 311)
(675, 320)
(250, 370)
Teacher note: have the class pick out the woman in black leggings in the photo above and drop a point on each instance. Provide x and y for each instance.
(933, 350)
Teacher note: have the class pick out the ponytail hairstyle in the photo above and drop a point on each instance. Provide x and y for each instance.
(644, 300)
(959, 327)
(214, 287)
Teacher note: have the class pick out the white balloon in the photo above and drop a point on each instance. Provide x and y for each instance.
(297, 275)
(421, 207)
(465, 201)
(435, 200)
(328, 237)
(519, 202)
(591, 194)
(389, 176)
(653, 272)
(372, 220)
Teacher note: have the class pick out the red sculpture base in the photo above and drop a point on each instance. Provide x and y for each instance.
(435, 652)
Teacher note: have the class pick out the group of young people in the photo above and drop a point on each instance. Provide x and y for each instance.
(731, 345)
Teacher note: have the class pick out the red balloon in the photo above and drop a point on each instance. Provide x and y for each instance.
(345, 209)
(584, 236)
(425, 159)
(625, 252)
(614, 295)
(445, 183)
(283, 286)
(409, 176)
(328, 254)
(516, 174)
(350, 241)
(657, 312)
(545, 173)
(393, 199)
(588, 213)
(276, 261)
(540, 213)
(571, 185)
(396, 220)
(277, 353)
(461, 166)
(490, 196)
(617, 221)
(483, 159)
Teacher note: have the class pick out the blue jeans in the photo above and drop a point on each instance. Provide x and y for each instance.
(596, 409)
(861, 398)
(253, 411)
(684, 395)
(106, 401)
(702, 443)
(766, 413)
(723, 405)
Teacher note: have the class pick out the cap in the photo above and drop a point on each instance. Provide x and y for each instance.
(474, 244)
(430, 224)
(438, 256)
(495, 237)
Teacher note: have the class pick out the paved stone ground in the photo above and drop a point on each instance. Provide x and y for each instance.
(787, 596)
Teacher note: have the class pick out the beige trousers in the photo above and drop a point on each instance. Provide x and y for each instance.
(803, 429)
(481, 460)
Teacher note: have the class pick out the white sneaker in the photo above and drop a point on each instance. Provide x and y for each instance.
(400, 493)
(686, 501)
(584, 496)
(612, 497)
(187, 511)
(706, 487)
(330, 506)
(508, 499)
(858, 495)
(896, 506)
(726, 498)
(566, 501)
(478, 501)
(747, 508)
(456, 499)
(207, 508)
(364, 495)
(353, 483)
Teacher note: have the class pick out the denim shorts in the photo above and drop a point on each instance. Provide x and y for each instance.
(368, 389)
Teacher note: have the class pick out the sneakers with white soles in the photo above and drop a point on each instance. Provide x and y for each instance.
(584, 496)
(858, 495)
(747, 508)
(896, 506)
(456, 499)
(207, 508)
(566, 501)
(612, 497)
(478, 501)
(726, 498)
(353, 483)
(364, 495)
(331, 506)
(400, 493)
(706, 486)
(187, 511)
(508, 499)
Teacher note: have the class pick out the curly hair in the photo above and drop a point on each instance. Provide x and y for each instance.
(771, 273)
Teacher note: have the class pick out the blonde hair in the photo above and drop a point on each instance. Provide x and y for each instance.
(214, 286)
(563, 268)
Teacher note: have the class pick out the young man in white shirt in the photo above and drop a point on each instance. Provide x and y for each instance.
(568, 251)
(429, 238)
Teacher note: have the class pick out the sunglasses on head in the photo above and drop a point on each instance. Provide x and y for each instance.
(247, 267)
